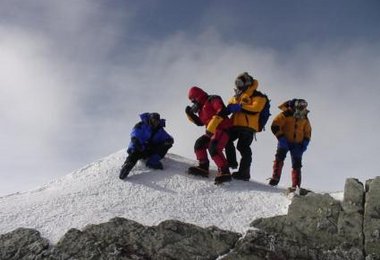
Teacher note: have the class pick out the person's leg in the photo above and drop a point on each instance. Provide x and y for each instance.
(278, 163)
(200, 149)
(217, 145)
(129, 163)
(282, 150)
(231, 150)
(157, 152)
(296, 153)
(244, 147)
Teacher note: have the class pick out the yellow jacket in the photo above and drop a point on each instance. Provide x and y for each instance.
(252, 104)
(295, 130)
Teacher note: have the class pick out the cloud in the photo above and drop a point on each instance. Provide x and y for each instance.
(32, 101)
(74, 83)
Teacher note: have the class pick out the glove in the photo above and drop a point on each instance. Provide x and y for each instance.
(188, 110)
(233, 108)
(283, 143)
(154, 162)
(192, 109)
(304, 144)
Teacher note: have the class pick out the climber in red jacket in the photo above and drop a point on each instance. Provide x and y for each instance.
(209, 111)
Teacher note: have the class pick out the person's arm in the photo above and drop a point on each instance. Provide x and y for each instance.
(255, 106)
(192, 117)
(277, 125)
(307, 130)
(221, 114)
(137, 137)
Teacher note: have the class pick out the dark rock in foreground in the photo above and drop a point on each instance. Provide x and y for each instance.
(320, 227)
(22, 243)
(122, 239)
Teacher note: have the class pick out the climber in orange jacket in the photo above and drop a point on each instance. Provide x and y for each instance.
(245, 107)
(210, 111)
(293, 130)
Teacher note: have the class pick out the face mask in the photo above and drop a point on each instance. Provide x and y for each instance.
(154, 120)
(300, 113)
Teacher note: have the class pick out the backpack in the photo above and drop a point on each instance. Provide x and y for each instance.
(264, 114)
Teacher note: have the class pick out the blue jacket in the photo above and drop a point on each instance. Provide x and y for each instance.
(146, 136)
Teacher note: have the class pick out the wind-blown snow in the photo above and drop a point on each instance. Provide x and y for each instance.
(95, 194)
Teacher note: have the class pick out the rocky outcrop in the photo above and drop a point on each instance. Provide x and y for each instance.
(316, 227)
(22, 243)
(371, 226)
(122, 239)
(320, 227)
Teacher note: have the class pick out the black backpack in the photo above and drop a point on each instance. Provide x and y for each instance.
(264, 114)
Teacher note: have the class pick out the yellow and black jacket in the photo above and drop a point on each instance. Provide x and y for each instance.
(252, 102)
(295, 130)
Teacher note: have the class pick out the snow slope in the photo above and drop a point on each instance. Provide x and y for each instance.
(95, 194)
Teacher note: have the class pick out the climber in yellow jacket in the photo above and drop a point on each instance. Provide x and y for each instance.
(245, 107)
(293, 130)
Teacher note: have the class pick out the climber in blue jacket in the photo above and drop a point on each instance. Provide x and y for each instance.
(149, 141)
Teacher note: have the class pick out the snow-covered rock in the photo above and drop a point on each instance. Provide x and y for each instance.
(95, 194)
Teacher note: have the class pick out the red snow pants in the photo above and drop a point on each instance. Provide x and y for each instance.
(215, 145)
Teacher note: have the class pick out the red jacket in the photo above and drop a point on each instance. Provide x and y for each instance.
(211, 112)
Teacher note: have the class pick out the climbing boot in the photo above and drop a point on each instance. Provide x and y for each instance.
(201, 170)
(243, 175)
(223, 175)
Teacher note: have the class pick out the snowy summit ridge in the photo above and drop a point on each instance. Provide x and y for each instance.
(95, 194)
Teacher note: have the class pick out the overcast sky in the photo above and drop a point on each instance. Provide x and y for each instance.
(75, 75)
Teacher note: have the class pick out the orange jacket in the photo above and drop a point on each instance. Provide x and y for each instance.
(252, 105)
(295, 130)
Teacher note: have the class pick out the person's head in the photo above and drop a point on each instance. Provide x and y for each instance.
(299, 107)
(197, 96)
(242, 82)
(154, 120)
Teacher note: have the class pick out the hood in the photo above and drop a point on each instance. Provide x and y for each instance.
(145, 119)
(198, 95)
(286, 106)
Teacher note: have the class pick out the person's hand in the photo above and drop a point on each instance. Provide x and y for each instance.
(192, 109)
(233, 108)
(245, 99)
(305, 144)
(188, 110)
